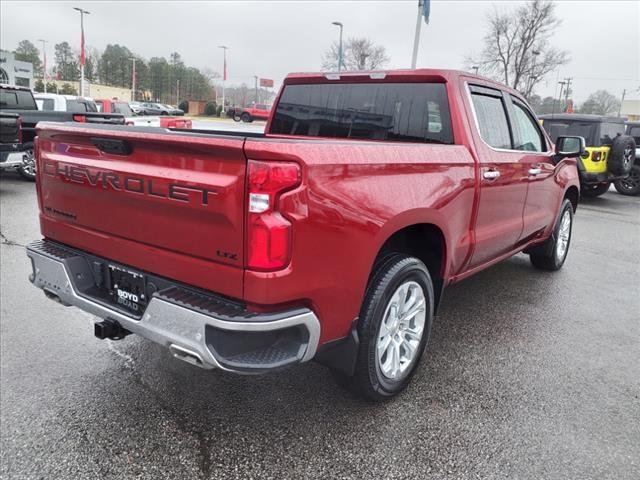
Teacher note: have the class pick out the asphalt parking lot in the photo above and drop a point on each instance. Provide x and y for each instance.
(529, 375)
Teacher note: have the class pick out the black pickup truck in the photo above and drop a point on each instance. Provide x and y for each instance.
(19, 101)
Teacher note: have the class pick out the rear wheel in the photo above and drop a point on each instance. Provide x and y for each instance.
(394, 327)
(592, 191)
(28, 168)
(630, 185)
(245, 117)
(552, 253)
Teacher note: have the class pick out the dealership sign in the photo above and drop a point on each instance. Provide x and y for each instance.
(266, 82)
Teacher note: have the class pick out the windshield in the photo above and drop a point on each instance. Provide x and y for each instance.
(123, 108)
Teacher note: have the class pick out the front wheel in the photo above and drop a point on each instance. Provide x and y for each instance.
(28, 168)
(394, 327)
(630, 185)
(592, 191)
(552, 253)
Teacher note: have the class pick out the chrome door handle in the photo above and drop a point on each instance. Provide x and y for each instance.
(535, 171)
(491, 174)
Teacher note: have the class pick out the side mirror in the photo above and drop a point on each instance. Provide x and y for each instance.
(567, 147)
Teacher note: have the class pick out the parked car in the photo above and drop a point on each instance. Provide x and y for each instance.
(172, 110)
(11, 142)
(20, 101)
(119, 106)
(329, 237)
(51, 102)
(249, 114)
(631, 184)
(609, 155)
(136, 107)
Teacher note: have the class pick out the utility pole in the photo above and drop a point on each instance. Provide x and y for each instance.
(255, 77)
(340, 54)
(44, 66)
(224, 74)
(568, 90)
(133, 80)
(624, 92)
(562, 84)
(82, 54)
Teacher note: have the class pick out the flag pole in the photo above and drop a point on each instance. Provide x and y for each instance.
(416, 39)
(82, 49)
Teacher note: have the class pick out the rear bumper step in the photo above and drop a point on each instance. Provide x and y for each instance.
(201, 329)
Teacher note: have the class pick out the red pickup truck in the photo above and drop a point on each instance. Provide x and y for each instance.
(255, 112)
(330, 237)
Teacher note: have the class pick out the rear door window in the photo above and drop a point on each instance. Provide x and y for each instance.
(404, 112)
(634, 131)
(528, 138)
(492, 119)
(609, 131)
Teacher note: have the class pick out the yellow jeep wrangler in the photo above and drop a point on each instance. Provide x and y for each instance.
(609, 155)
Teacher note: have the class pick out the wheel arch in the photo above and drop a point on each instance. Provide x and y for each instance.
(573, 195)
(425, 241)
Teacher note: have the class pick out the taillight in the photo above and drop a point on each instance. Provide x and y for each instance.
(595, 156)
(268, 232)
(80, 118)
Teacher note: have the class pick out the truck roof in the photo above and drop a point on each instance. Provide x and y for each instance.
(425, 74)
(14, 87)
(581, 117)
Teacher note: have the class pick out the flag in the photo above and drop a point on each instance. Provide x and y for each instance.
(426, 9)
(82, 56)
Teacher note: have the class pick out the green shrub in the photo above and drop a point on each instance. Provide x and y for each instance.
(210, 109)
(219, 110)
(184, 106)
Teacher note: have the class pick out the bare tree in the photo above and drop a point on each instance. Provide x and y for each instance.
(601, 103)
(358, 54)
(517, 50)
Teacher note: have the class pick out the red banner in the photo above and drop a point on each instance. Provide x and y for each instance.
(266, 82)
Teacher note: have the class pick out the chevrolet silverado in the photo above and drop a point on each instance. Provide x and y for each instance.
(329, 237)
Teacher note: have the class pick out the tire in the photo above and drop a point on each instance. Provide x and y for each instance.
(630, 185)
(28, 168)
(246, 118)
(382, 372)
(593, 191)
(622, 155)
(236, 117)
(552, 254)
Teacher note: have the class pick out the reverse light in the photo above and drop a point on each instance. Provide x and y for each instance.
(268, 231)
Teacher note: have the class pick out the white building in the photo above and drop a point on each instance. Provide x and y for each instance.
(15, 72)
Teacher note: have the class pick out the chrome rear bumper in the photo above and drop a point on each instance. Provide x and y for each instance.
(200, 329)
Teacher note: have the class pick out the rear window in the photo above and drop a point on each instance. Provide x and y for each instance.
(76, 106)
(609, 131)
(17, 99)
(405, 112)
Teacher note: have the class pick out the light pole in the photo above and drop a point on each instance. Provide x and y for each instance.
(44, 67)
(475, 69)
(255, 77)
(224, 74)
(533, 75)
(82, 57)
(340, 59)
(133, 80)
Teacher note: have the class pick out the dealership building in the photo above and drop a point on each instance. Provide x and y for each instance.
(15, 72)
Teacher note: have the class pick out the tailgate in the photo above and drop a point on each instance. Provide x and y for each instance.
(170, 203)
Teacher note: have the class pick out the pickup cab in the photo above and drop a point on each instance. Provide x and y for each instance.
(20, 101)
(331, 237)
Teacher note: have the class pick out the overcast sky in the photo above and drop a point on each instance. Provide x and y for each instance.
(270, 39)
